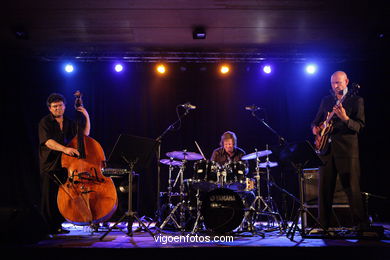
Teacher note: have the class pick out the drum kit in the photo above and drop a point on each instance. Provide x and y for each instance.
(217, 198)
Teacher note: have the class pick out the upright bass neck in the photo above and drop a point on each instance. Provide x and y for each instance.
(80, 131)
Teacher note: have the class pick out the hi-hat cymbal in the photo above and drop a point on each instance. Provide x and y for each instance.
(180, 155)
(256, 155)
(171, 162)
(268, 164)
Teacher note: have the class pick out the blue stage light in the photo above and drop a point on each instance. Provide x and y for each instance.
(69, 68)
(267, 69)
(311, 68)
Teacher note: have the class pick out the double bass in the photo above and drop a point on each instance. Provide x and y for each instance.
(87, 197)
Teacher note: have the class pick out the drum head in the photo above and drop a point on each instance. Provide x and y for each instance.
(223, 210)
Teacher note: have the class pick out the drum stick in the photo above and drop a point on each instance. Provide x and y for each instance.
(177, 178)
(200, 150)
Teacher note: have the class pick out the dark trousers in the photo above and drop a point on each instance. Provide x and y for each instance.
(348, 170)
(49, 207)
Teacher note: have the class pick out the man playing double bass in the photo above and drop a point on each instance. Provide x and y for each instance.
(55, 131)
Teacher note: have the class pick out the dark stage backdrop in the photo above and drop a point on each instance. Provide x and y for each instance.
(141, 103)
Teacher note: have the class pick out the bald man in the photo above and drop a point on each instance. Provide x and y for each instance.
(342, 154)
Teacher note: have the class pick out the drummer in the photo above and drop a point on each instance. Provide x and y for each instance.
(228, 152)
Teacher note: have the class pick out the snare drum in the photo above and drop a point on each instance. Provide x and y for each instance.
(205, 175)
(235, 175)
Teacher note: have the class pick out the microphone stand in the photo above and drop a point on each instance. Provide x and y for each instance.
(281, 139)
(159, 139)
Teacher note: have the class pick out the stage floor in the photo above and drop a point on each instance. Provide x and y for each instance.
(274, 243)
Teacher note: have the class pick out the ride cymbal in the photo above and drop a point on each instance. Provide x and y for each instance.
(255, 155)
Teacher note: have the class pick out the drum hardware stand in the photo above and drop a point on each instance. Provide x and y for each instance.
(250, 220)
(170, 183)
(129, 214)
(179, 205)
(199, 217)
(170, 205)
(273, 209)
(257, 203)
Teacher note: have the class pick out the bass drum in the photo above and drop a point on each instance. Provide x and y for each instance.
(222, 210)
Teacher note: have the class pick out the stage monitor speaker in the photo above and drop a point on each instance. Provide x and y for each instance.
(311, 181)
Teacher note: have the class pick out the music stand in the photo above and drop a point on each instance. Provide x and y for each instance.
(135, 153)
(300, 155)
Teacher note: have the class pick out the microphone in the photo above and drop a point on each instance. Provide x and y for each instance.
(188, 106)
(252, 108)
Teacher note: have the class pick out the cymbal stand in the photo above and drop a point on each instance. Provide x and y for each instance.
(169, 204)
(170, 169)
(179, 205)
(269, 199)
(253, 210)
(259, 200)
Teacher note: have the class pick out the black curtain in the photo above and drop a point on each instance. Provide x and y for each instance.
(140, 102)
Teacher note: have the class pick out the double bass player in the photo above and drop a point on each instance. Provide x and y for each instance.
(55, 131)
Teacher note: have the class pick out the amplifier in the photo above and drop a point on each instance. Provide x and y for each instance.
(311, 181)
(341, 215)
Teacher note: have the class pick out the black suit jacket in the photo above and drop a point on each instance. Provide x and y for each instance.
(344, 137)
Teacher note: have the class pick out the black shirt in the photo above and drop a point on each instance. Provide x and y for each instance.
(221, 156)
(49, 128)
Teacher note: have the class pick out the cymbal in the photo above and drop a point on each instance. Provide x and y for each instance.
(268, 164)
(171, 162)
(254, 156)
(190, 156)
